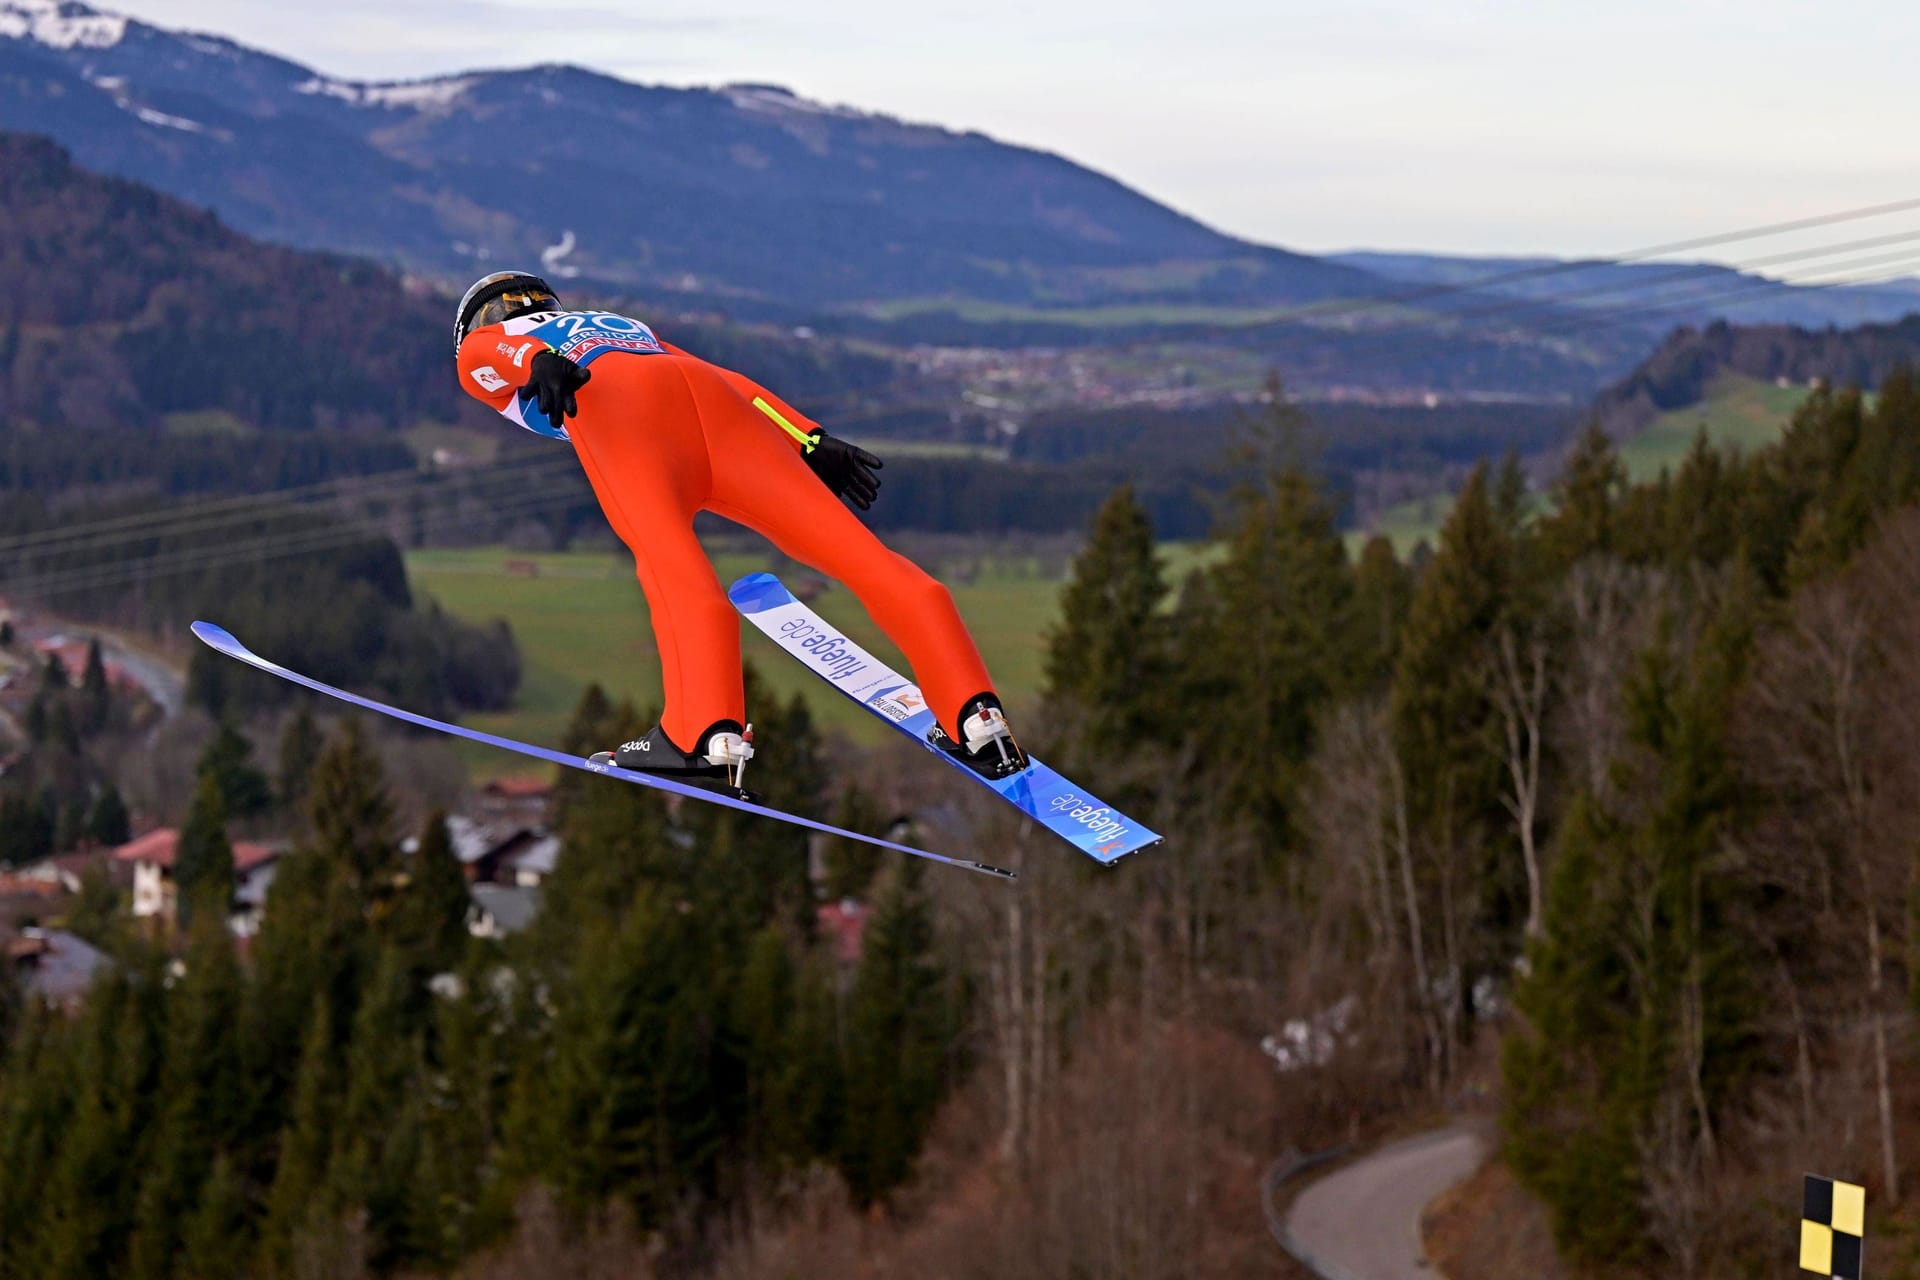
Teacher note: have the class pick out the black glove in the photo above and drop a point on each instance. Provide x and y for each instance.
(555, 379)
(845, 469)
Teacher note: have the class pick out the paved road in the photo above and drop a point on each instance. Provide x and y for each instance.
(1363, 1222)
(164, 683)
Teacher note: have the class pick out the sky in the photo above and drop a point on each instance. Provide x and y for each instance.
(1470, 127)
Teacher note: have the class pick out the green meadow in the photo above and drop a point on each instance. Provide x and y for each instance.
(1742, 413)
(579, 617)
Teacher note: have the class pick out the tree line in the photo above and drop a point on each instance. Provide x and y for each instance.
(1619, 782)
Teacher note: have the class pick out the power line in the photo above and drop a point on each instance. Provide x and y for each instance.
(199, 559)
(1678, 309)
(244, 509)
(1343, 308)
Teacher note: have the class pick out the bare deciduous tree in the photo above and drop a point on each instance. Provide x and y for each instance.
(1519, 689)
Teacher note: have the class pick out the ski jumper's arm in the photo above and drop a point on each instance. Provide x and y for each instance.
(795, 426)
(494, 364)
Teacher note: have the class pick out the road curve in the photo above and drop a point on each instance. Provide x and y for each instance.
(1363, 1222)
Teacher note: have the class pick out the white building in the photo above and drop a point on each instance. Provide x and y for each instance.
(154, 894)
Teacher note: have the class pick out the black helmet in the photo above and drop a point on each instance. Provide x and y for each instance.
(501, 296)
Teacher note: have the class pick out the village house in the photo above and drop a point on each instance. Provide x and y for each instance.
(844, 925)
(54, 966)
(520, 801)
(151, 857)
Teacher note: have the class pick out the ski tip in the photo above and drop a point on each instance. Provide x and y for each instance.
(215, 635)
(757, 591)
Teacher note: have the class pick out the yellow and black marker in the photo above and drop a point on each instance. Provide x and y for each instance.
(1833, 1224)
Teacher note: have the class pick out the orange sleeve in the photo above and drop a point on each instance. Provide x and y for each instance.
(493, 365)
(750, 390)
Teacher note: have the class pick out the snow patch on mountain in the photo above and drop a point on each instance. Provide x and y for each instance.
(773, 99)
(161, 119)
(61, 24)
(420, 95)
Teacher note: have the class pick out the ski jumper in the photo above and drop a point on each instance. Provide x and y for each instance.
(664, 435)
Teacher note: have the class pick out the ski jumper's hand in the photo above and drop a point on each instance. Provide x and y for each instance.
(846, 469)
(554, 380)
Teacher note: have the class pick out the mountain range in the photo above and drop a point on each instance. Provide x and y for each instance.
(745, 189)
(751, 203)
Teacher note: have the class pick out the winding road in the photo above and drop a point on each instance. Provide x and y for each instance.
(1362, 1222)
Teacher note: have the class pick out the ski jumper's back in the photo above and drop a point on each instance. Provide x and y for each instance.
(494, 358)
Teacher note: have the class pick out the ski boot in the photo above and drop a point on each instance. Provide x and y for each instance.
(720, 767)
(989, 749)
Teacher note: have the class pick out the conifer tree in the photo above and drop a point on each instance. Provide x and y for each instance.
(429, 921)
(108, 821)
(352, 813)
(1440, 710)
(96, 698)
(763, 1008)
(244, 789)
(26, 829)
(850, 864)
(296, 1197)
(202, 1097)
(85, 1207)
(1108, 654)
(301, 743)
(898, 1027)
(1640, 1000)
(203, 873)
(376, 1136)
(1259, 652)
(217, 1238)
(1587, 496)
(1382, 594)
(639, 1095)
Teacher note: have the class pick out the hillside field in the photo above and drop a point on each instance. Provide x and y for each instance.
(1739, 412)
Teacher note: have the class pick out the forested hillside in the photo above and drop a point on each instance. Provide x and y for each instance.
(1679, 372)
(135, 307)
(1620, 787)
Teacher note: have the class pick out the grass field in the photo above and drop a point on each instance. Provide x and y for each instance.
(1406, 525)
(580, 617)
(1742, 413)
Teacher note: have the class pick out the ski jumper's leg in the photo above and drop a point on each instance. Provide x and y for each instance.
(639, 437)
(760, 481)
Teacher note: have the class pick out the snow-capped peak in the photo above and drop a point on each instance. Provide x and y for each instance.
(61, 24)
(421, 95)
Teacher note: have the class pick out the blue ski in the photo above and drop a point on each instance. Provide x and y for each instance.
(1097, 830)
(222, 640)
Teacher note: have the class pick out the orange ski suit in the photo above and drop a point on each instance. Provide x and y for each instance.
(663, 435)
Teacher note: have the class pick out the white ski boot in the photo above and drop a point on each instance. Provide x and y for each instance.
(989, 747)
